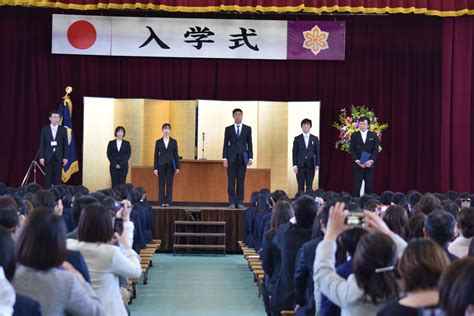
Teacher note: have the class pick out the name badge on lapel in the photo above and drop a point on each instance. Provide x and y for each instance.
(54, 143)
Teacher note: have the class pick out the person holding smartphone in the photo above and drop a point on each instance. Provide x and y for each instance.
(166, 165)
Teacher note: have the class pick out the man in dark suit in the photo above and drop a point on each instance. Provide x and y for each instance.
(118, 153)
(364, 141)
(166, 165)
(305, 156)
(237, 155)
(53, 149)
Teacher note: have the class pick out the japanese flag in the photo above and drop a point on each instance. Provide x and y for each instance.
(81, 35)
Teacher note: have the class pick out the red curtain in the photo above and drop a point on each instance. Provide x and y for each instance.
(415, 71)
(428, 7)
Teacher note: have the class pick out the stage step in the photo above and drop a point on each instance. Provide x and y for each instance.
(199, 234)
(198, 246)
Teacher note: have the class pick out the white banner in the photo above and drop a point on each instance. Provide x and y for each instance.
(169, 37)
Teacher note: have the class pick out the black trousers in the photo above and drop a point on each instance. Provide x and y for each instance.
(304, 176)
(165, 179)
(236, 171)
(118, 176)
(366, 174)
(53, 170)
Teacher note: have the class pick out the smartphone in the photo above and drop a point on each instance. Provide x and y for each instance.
(466, 202)
(118, 225)
(355, 219)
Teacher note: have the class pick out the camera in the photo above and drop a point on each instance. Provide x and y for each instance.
(117, 206)
(354, 219)
(118, 225)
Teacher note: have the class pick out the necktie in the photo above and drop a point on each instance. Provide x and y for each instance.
(238, 131)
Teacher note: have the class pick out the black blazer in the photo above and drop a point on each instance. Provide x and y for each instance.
(25, 306)
(301, 154)
(289, 239)
(46, 150)
(119, 157)
(357, 146)
(234, 146)
(165, 156)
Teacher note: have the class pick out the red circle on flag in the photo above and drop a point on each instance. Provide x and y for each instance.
(81, 34)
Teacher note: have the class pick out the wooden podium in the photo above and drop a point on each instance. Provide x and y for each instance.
(200, 181)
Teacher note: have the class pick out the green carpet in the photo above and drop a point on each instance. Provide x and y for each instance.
(198, 286)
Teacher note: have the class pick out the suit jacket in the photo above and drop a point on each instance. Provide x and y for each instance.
(166, 156)
(271, 261)
(357, 146)
(25, 306)
(234, 146)
(301, 154)
(46, 150)
(117, 157)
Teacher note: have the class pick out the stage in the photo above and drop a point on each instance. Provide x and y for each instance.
(165, 217)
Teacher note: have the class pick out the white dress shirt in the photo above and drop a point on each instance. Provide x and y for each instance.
(166, 141)
(364, 135)
(306, 139)
(119, 144)
(240, 129)
(54, 130)
(460, 246)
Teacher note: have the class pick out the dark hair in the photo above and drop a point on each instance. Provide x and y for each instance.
(428, 202)
(3, 188)
(374, 251)
(396, 218)
(452, 195)
(452, 208)
(421, 265)
(350, 238)
(372, 204)
(236, 110)
(305, 209)
(306, 121)
(400, 199)
(414, 227)
(95, 224)
(119, 128)
(353, 207)
(471, 248)
(439, 226)
(44, 198)
(263, 196)
(54, 112)
(165, 126)
(42, 242)
(79, 205)
(282, 212)
(254, 199)
(466, 222)
(386, 197)
(456, 287)
(413, 198)
(7, 253)
(278, 195)
(364, 118)
(8, 212)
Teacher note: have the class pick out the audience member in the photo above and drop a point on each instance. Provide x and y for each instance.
(460, 246)
(439, 226)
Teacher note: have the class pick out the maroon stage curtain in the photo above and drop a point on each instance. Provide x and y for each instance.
(428, 7)
(415, 71)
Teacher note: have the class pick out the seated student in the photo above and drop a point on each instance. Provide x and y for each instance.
(420, 267)
(250, 217)
(43, 274)
(23, 305)
(373, 282)
(135, 196)
(306, 304)
(460, 246)
(456, 288)
(107, 262)
(78, 206)
(289, 239)
(396, 217)
(427, 203)
(9, 215)
(414, 227)
(282, 212)
(401, 199)
(439, 226)
(278, 195)
(149, 214)
(413, 198)
(263, 208)
(348, 241)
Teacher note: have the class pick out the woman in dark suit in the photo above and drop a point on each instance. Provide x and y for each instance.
(118, 153)
(166, 165)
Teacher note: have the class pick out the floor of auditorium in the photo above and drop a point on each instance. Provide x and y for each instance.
(198, 286)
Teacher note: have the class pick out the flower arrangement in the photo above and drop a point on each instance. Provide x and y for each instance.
(349, 124)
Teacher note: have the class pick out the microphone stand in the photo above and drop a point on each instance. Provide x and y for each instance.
(202, 151)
